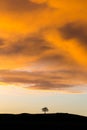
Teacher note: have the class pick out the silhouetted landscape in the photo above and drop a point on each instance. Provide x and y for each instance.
(43, 121)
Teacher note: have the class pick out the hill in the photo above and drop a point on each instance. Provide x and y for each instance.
(43, 121)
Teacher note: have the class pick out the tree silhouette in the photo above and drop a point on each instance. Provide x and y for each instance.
(45, 109)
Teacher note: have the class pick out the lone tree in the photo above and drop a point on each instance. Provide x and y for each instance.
(45, 109)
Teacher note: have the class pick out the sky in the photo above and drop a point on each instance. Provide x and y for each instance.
(43, 56)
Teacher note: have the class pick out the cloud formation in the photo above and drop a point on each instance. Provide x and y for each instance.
(74, 30)
(20, 5)
(55, 80)
(31, 46)
(43, 44)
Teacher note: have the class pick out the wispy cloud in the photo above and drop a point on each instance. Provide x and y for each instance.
(48, 80)
(33, 45)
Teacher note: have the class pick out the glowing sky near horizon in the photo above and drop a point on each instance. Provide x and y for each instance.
(43, 49)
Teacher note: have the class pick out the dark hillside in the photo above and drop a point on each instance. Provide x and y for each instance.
(43, 121)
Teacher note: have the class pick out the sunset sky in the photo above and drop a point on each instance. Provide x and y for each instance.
(43, 56)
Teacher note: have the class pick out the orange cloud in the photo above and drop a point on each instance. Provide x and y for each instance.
(49, 80)
(44, 35)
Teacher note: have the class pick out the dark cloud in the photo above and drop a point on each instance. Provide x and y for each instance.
(28, 46)
(74, 30)
(42, 80)
(47, 85)
(20, 5)
(2, 41)
(54, 58)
